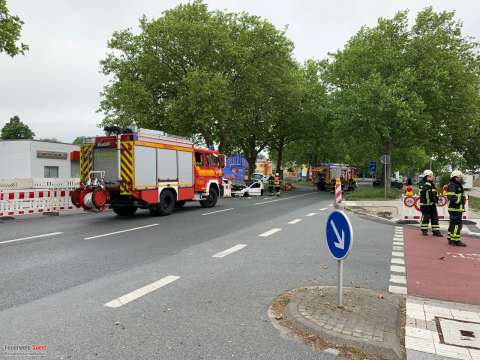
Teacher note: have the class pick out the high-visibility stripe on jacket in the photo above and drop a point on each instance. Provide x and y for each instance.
(456, 197)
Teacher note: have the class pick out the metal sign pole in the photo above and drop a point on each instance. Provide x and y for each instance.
(340, 282)
(385, 176)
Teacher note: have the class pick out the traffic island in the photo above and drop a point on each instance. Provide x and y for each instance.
(370, 324)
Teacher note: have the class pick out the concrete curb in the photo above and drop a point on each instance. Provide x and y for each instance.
(390, 348)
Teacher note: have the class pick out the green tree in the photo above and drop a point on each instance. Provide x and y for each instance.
(174, 76)
(15, 129)
(10, 31)
(264, 65)
(78, 140)
(400, 87)
(215, 76)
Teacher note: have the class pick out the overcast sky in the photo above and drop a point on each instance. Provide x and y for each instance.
(55, 87)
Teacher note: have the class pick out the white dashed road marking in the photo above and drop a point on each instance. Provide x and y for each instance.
(218, 211)
(398, 278)
(323, 209)
(270, 232)
(294, 221)
(120, 232)
(136, 294)
(397, 269)
(233, 249)
(311, 214)
(31, 237)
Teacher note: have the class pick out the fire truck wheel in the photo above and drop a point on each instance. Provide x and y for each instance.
(166, 205)
(124, 210)
(179, 204)
(211, 201)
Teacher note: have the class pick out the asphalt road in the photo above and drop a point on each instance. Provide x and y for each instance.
(193, 285)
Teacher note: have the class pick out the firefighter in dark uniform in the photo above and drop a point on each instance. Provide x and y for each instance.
(276, 184)
(428, 204)
(456, 208)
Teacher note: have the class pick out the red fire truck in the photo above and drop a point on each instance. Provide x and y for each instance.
(148, 169)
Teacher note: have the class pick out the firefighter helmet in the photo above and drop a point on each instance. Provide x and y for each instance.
(427, 173)
(456, 173)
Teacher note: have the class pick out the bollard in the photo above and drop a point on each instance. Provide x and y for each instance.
(338, 192)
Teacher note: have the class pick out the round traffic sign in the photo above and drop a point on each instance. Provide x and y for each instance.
(339, 234)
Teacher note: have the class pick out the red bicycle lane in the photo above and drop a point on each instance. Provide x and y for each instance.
(440, 271)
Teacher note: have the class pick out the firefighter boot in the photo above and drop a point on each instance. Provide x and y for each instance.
(425, 232)
(437, 234)
(458, 243)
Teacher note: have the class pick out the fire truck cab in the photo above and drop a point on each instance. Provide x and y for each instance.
(148, 169)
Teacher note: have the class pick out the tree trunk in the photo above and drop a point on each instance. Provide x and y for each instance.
(251, 165)
(280, 147)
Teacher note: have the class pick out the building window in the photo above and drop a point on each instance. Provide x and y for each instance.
(50, 171)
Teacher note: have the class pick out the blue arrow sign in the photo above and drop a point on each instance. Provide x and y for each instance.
(339, 234)
(372, 166)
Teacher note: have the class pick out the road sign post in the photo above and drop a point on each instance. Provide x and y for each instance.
(339, 241)
(385, 161)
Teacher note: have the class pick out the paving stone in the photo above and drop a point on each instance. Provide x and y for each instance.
(432, 325)
(422, 324)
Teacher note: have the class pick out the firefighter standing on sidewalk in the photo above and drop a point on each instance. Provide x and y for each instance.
(456, 208)
(428, 204)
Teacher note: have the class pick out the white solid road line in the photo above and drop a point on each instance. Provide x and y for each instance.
(294, 221)
(311, 214)
(134, 295)
(233, 249)
(31, 237)
(120, 232)
(270, 232)
(323, 209)
(287, 198)
(214, 212)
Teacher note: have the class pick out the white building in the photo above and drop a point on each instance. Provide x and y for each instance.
(38, 159)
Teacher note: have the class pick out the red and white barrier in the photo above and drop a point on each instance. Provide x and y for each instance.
(22, 202)
(411, 208)
(338, 192)
(227, 190)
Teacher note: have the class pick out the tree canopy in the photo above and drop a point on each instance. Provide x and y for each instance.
(16, 129)
(411, 91)
(402, 86)
(218, 76)
(10, 31)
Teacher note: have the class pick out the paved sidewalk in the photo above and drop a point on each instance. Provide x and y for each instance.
(369, 319)
(441, 329)
(437, 329)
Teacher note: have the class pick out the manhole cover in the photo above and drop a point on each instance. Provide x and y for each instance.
(459, 333)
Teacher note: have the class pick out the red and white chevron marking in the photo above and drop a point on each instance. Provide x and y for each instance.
(338, 193)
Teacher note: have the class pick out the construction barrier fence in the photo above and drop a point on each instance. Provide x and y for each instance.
(410, 209)
(35, 195)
